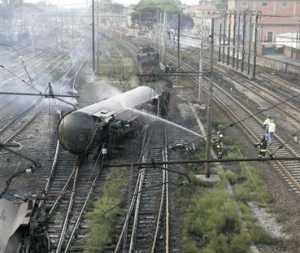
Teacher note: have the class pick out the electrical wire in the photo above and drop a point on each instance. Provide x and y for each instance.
(143, 165)
(285, 143)
(18, 77)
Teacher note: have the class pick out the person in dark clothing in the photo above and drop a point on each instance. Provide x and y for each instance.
(262, 147)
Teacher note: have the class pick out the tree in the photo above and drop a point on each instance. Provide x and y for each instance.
(162, 5)
(220, 4)
(148, 12)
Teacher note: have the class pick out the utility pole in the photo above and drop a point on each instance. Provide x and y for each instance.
(229, 38)
(159, 32)
(93, 36)
(164, 37)
(234, 39)
(62, 30)
(212, 37)
(250, 43)
(97, 36)
(220, 42)
(200, 69)
(178, 41)
(224, 37)
(238, 42)
(243, 42)
(255, 45)
(210, 96)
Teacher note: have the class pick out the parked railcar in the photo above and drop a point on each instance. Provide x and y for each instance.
(148, 64)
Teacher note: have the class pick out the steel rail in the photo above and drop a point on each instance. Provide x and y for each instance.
(276, 97)
(128, 214)
(136, 211)
(216, 85)
(44, 69)
(134, 196)
(284, 167)
(52, 169)
(167, 210)
(61, 194)
(163, 203)
(8, 124)
(253, 135)
(93, 185)
(67, 216)
(289, 171)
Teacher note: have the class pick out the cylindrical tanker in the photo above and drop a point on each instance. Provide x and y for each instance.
(77, 130)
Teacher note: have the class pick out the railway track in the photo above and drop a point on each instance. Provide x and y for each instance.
(16, 120)
(13, 107)
(13, 127)
(266, 93)
(35, 67)
(146, 227)
(281, 86)
(73, 181)
(284, 105)
(67, 186)
(251, 124)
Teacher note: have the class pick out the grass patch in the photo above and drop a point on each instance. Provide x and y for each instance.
(216, 221)
(248, 180)
(253, 188)
(106, 209)
(213, 221)
(257, 234)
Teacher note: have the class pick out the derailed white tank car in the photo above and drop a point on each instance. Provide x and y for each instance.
(78, 129)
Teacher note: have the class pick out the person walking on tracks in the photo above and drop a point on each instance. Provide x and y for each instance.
(266, 123)
(262, 147)
(270, 128)
(271, 131)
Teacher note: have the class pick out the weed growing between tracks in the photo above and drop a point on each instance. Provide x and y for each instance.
(212, 223)
(247, 182)
(105, 211)
(217, 221)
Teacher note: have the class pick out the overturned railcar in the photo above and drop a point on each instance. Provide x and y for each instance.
(78, 130)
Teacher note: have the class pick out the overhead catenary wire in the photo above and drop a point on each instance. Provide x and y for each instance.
(182, 162)
(18, 77)
(232, 124)
(285, 143)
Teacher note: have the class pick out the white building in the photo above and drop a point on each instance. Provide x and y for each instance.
(291, 40)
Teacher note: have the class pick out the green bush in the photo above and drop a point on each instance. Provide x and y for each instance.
(190, 246)
(213, 218)
(102, 217)
(221, 223)
(230, 176)
(257, 234)
(253, 188)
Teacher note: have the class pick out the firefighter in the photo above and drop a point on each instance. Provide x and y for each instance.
(262, 147)
(219, 144)
(167, 68)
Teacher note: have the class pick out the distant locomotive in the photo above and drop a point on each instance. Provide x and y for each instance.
(148, 64)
